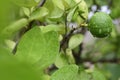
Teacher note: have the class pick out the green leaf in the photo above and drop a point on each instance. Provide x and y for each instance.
(61, 60)
(38, 48)
(26, 11)
(82, 11)
(83, 76)
(89, 3)
(68, 4)
(10, 44)
(75, 40)
(70, 56)
(39, 13)
(52, 27)
(25, 3)
(97, 75)
(58, 3)
(8, 14)
(12, 69)
(68, 72)
(55, 13)
(14, 27)
(38, 1)
(70, 14)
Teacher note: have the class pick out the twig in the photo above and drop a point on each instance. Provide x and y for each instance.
(42, 3)
(66, 38)
(77, 56)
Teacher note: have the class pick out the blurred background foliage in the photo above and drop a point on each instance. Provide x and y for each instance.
(101, 53)
(106, 51)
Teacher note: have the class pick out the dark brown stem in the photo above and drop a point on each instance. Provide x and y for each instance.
(65, 39)
(42, 3)
(77, 56)
(110, 3)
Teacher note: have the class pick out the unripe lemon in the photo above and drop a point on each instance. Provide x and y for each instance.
(100, 25)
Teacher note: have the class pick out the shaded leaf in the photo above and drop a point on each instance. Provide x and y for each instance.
(14, 27)
(71, 13)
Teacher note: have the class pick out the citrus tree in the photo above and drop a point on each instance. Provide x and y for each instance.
(44, 40)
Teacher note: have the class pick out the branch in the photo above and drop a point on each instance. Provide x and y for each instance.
(66, 38)
(42, 3)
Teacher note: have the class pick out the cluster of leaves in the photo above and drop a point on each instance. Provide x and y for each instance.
(36, 36)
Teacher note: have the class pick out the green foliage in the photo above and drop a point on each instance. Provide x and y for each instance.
(115, 12)
(25, 3)
(65, 73)
(75, 40)
(12, 69)
(61, 60)
(52, 27)
(14, 27)
(46, 40)
(84, 76)
(97, 75)
(39, 14)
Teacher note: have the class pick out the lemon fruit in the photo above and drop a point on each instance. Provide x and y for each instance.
(100, 25)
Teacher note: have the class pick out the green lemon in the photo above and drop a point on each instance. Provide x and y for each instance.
(100, 25)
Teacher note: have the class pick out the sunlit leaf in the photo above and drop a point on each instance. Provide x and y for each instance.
(65, 73)
(70, 56)
(39, 13)
(26, 11)
(61, 60)
(55, 13)
(75, 40)
(58, 28)
(38, 48)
